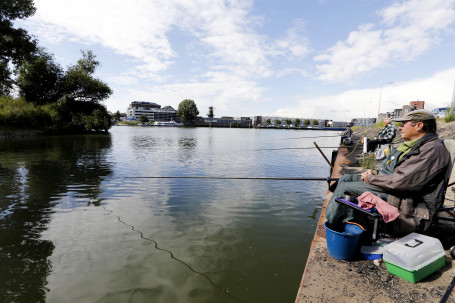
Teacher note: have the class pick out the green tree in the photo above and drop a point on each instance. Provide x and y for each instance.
(16, 45)
(187, 110)
(79, 83)
(306, 122)
(117, 115)
(297, 122)
(143, 119)
(39, 79)
(278, 122)
(288, 121)
(315, 122)
(450, 113)
(268, 122)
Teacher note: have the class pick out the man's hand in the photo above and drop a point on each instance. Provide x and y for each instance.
(365, 174)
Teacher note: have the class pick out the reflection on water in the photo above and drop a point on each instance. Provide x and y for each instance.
(33, 175)
(76, 228)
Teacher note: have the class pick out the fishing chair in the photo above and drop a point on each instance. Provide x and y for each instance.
(447, 212)
(372, 214)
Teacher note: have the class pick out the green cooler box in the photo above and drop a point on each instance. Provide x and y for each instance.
(414, 257)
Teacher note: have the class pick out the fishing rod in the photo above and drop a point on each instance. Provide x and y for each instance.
(330, 164)
(328, 179)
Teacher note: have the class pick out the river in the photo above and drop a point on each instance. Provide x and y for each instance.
(83, 218)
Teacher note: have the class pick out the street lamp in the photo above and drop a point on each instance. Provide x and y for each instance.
(380, 93)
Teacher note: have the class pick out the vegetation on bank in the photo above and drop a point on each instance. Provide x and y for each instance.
(63, 117)
(36, 93)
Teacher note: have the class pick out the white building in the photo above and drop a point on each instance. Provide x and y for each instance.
(440, 112)
(153, 111)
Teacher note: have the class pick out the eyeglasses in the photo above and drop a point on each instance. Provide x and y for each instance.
(413, 123)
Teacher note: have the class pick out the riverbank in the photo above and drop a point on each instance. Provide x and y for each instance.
(328, 280)
(19, 133)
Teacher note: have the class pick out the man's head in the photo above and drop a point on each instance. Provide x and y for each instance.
(416, 124)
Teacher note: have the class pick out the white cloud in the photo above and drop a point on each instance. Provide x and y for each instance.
(411, 28)
(229, 93)
(142, 30)
(435, 90)
(295, 42)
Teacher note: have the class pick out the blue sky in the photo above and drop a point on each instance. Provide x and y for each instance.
(325, 59)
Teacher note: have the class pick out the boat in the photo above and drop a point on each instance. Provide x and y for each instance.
(168, 123)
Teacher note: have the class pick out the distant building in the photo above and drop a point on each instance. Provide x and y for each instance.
(223, 122)
(440, 112)
(210, 114)
(363, 121)
(257, 120)
(400, 112)
(417, 105)
(152, 110)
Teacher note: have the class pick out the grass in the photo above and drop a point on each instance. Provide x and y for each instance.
(17, 113)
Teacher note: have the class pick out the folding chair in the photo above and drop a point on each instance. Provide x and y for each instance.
(377, 218)
(450, 177)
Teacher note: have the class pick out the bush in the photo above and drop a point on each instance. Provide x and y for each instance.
(65, 116)
(368, 161)
(70, 116)
(450, 115)
(16, 113)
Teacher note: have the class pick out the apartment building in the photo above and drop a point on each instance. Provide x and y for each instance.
(152, 110)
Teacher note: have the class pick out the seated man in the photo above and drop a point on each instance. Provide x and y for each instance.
(386, 135)
(346, 134)
(411, 178)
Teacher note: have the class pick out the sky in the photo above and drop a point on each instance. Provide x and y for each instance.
(322, 59)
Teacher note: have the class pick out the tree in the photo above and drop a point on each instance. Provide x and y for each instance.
(315, 122)
(278, 122)
(297, 122)
(187, 110)
(143, 119)
(288, 121)
(79, 83)
(16, 45)
(306, 122)
(39, 79)
(117, 116)
(268, 122)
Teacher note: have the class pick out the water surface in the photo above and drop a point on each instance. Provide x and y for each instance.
(82, 218)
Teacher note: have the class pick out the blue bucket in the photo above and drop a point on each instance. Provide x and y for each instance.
(342, 240)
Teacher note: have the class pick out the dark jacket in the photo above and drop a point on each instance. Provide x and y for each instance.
(416, 185)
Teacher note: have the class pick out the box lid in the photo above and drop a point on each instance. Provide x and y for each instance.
(413, 251)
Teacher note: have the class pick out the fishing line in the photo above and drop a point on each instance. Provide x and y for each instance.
(232, 178)
(111, 213)
(353, 149)
(308, 137)
(284, 148)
